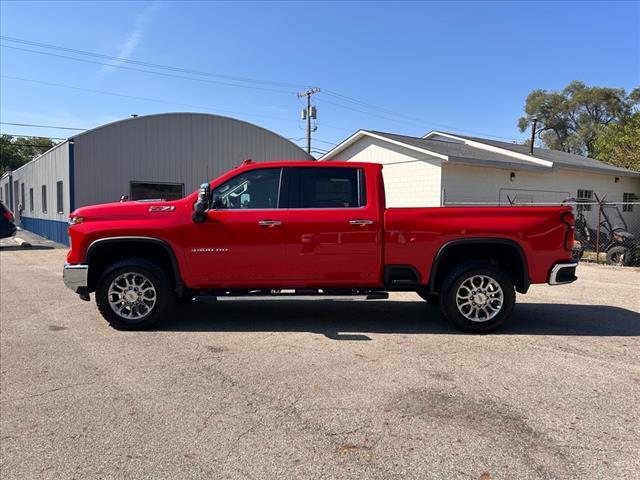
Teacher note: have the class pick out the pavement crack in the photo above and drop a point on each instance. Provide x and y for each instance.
(46, 392)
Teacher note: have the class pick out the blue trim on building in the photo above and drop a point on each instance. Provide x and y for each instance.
(72, 178)
(52, 229)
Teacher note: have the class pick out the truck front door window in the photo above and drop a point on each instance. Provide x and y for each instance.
(256, 189)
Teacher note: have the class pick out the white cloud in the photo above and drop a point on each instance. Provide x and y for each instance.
(134, 38)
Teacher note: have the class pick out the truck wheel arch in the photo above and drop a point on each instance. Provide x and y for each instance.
(98, 246)
(452, 249)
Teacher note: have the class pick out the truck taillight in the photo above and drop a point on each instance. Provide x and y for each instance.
(8, 215)
(569, 220)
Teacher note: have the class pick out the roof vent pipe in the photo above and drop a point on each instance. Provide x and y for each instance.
(533, 135)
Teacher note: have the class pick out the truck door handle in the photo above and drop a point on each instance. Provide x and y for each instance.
(269, 223)
(361, 222)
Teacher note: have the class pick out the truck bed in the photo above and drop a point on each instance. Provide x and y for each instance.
(414, 236)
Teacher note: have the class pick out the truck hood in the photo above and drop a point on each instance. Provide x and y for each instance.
(125, 210)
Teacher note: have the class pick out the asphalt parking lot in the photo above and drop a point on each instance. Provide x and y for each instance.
(258, 389)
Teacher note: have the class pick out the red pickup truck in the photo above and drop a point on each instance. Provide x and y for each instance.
(316, 228)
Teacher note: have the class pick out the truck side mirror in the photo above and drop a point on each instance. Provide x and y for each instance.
(202, 204)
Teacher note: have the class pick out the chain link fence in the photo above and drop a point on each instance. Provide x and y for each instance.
(606, 232)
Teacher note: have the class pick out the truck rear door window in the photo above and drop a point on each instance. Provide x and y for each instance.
(328, 188)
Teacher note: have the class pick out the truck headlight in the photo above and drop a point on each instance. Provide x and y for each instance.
(75, 220)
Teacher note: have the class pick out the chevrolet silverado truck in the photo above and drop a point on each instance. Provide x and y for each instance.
(317, 228)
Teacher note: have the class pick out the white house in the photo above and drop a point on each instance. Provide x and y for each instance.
(448, 169)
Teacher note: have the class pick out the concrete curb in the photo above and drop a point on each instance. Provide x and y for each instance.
(21, 242)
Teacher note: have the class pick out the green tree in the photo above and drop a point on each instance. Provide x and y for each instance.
(619, 143)
(16, 151)
(571, 119)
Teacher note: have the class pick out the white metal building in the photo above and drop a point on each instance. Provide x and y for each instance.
(155, 156)
(445, 169)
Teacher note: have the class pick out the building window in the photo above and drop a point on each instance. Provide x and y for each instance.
(31, 199)
(586, 197)
(22, 202)
(44, 199)
(158, 191)
(59, 197)
(628, 198)
(6, 196)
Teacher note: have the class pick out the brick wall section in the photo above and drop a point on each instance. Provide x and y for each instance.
(411, 179)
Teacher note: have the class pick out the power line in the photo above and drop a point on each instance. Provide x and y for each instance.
(42, 126)
(195, 72)
(409, 120)
(382, 109)
(31, 136)
(316, 139)
(164, 74)
(157, 100)
(149, 64)
(371, 113)
(421, 121)
(149, 99)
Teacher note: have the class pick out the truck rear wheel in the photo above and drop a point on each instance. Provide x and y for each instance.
(477, 297)
(133, 294)
(426, 295)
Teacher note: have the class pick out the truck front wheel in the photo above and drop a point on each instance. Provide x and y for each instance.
(133, 294)
(477, 297)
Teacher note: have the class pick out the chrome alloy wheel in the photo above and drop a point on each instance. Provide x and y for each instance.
(479, 298)
(132, 296)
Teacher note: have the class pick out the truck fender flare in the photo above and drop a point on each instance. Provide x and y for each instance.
(526, 281)
(157, 241)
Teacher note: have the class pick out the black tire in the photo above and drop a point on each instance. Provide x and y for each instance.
(619, 255)
(159, 279)
(423, 293)
(577, 254)
(188, 296)
(464, 272)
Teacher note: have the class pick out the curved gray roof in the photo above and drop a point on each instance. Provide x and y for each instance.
(168, 115)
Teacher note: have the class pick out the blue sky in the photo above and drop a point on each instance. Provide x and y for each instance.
(464, 67)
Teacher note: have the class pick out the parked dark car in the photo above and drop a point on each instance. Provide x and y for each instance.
(7, 222)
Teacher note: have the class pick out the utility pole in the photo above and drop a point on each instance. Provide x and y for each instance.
(309, 113)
